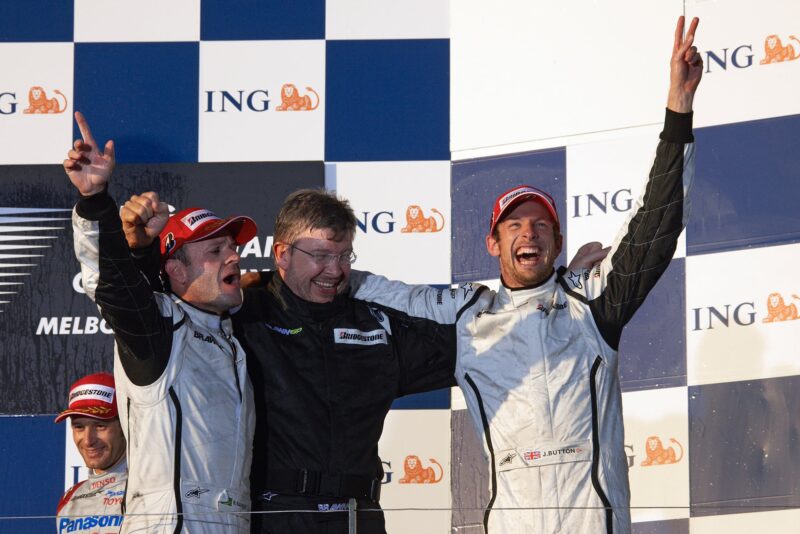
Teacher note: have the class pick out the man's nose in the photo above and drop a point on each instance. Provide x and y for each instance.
(529, 230)
(90, 436)
(332, 266)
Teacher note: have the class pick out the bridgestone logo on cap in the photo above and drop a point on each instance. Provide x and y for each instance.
(514, 194)
(92, 392)
(196, 218)
(351, 336)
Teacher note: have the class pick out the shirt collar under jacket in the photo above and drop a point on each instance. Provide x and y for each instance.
(542, 293)
(121, 467)
(209, 320)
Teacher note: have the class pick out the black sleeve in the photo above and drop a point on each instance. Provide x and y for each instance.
(426, 352)
(642, 254)
(148, 262)
(127, 303)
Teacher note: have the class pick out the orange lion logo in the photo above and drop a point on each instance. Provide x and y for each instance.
(417, 222)
(291, 100)
(39, 103)
(660, 455)
(778, 310)
(415, 473)
(775, 51)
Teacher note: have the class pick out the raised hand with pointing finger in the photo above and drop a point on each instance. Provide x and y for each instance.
(88, 168)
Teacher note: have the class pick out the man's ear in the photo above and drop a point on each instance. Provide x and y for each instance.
(492, 245)
(282, 255)
(176, 271)
(559, 243)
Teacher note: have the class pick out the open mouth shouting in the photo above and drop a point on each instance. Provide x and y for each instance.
(528, 255)
(231, 280)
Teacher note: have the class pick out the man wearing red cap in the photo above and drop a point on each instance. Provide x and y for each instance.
(186, 403)
(95, 504)
(537, 361)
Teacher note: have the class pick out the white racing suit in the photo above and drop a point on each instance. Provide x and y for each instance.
(185, 401)
(539, 366)
(94, 505)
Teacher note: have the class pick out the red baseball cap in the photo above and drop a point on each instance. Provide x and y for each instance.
(92, 396)
(513, 197)
(195, 224)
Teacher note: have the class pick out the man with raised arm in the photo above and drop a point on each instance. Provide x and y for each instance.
(538, 360)
(185, 400)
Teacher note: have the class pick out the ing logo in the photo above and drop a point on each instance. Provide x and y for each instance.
(415, 473)
(39, 103)
(292, 100)
(741, 57)
(657, 454)
(416, 221)
(775, 51)
(778, 310)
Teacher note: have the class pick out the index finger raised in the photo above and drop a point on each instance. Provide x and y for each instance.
(83, 126)
(678, 34)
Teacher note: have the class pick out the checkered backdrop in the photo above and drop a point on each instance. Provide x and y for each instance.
(431, 106)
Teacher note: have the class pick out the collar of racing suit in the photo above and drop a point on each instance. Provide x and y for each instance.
(120, 467)
(209, 320)
(540, 294)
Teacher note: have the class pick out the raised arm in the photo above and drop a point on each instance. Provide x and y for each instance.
(110, 277)
(646, 244)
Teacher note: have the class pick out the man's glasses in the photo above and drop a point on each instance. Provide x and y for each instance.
(320, 258)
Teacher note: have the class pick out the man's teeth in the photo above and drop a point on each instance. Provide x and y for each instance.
(324, 284)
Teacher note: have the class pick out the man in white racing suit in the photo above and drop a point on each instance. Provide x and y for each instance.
(94, 505)
(185, 400)
(538, 360)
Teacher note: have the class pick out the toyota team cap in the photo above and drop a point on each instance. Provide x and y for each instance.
(92, 396)
(195, 224)
(513, 197)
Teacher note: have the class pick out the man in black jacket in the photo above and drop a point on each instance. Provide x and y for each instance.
(326, 368)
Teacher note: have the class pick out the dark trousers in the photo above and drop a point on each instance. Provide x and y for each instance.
(311, 515)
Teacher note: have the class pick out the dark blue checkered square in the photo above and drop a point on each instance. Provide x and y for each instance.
(743, 443)
(256, 20)
(742, 196)
(653, 348)
(36, 21)
(142, 95)
(387, 100)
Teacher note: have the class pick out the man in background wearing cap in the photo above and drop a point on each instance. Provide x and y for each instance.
(538, 359)
(186, 403)
(95, 504)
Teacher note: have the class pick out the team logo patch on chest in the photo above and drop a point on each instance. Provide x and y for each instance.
(351, 336)
(284, 331)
